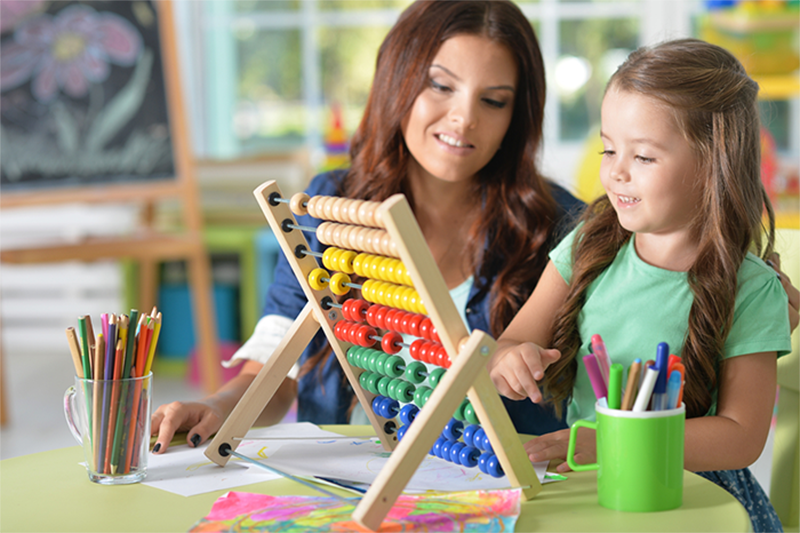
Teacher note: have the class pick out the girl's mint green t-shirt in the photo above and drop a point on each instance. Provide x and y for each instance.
(634, 306)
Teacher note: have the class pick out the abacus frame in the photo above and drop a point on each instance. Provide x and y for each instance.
(466, 376)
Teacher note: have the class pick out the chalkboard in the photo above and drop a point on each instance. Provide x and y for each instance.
(83, 96)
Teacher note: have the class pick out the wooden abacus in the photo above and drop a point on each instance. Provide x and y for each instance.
(404, 276)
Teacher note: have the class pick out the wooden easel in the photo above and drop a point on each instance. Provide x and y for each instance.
(148, 247)
(467, 375)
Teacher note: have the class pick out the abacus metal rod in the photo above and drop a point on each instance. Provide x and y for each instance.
(349, 501)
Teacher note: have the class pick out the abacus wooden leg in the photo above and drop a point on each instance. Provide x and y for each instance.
(201, 286)
(421, 435)
(148, 284)
(264, 385)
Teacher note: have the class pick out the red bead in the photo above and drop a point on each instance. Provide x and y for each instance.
(414, 321)
(435, 335)
(415, 347)
(359, 309)
(397, 321)
(391, 342)
(363, 334)
(424, 352)
(425, 328)
(442, 359)
(346, 310)
(371, 315)
(337, 330)
(389, 319)
(380, 317)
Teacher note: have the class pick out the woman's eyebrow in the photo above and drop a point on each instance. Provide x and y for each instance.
(451, 73)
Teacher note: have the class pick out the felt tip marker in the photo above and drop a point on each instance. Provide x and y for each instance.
(615, 386)
(660, 388)
(643, 398)
(673, 389)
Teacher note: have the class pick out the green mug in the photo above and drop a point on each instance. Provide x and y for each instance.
(639, 457)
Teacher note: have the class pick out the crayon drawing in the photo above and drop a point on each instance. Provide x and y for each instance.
(484, 511)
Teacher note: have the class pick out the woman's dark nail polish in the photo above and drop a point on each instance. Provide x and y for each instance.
(195, 440)
(156, 447)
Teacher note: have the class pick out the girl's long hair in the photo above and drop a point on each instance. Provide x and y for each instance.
(713, 102)
(518, 212)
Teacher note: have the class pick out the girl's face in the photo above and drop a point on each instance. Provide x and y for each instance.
(649, 170)
(458, 121)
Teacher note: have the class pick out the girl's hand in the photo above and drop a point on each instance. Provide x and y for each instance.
(199, 419)
(794, 295)
(554, 446)
(517, 370)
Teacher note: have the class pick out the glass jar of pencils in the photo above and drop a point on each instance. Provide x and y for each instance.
(111, 420)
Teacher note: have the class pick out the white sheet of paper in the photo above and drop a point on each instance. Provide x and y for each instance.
(360, 461)
(187, 471)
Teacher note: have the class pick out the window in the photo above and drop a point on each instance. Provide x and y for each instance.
(266, 74)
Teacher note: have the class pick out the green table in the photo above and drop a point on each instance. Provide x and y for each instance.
(49, 491)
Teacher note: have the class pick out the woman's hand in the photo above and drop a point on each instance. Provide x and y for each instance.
(516, 370)
(198, 419)
(794, 295)
(553, 446)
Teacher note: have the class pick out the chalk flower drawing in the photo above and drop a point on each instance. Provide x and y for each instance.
(69, 51)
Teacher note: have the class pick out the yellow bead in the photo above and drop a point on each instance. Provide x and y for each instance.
(315, 279)
(326, 257)
(346, 261)
(359, 262)
(397, 296)
(334, 259)
(375, 267)
(338, 283)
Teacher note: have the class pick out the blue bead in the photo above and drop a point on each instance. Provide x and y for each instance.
(487, 444)
(469, 433)
(376, 405)
(493, 466)
(482, 460)
(469, 456)
(388, 408)
(477, 438)
(446, 449)
(401, 432)
(455, 452)
(437, 447)
(453, 429)
(408, 413)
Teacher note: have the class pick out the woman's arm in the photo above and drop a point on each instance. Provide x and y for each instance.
(204, 418)
(520, 359)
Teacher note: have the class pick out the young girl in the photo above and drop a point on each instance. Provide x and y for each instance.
(453, 121)
(667, 256)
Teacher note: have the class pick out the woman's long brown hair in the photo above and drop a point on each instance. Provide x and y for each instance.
(518, 212)
(713, 102)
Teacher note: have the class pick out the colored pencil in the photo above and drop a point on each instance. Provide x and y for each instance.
(97, 401)
(110, 466)
(75, 351)
(632, 386)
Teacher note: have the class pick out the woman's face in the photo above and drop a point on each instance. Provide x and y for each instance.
(458, 121)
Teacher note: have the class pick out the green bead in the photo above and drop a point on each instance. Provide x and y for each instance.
(419, 396)
(470, 415)
(362, 380)
(383, 385)
(426, 396)
(392, 388)
(372, 382)
(393, 366)
(380, 363)
(436, 376)
(371, 360)
(459, 414)
(351, 355)
(415, 372)
(405, 392)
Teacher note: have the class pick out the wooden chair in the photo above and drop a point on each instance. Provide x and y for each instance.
(785, 481)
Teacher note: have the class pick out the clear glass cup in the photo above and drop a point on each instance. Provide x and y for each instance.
(111, 420)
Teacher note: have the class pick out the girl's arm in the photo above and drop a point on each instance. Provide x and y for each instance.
(735, 436)
(520, 359)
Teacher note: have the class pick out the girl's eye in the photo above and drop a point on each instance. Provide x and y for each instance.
(644, 159)
(495, 103)
(607, 152)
